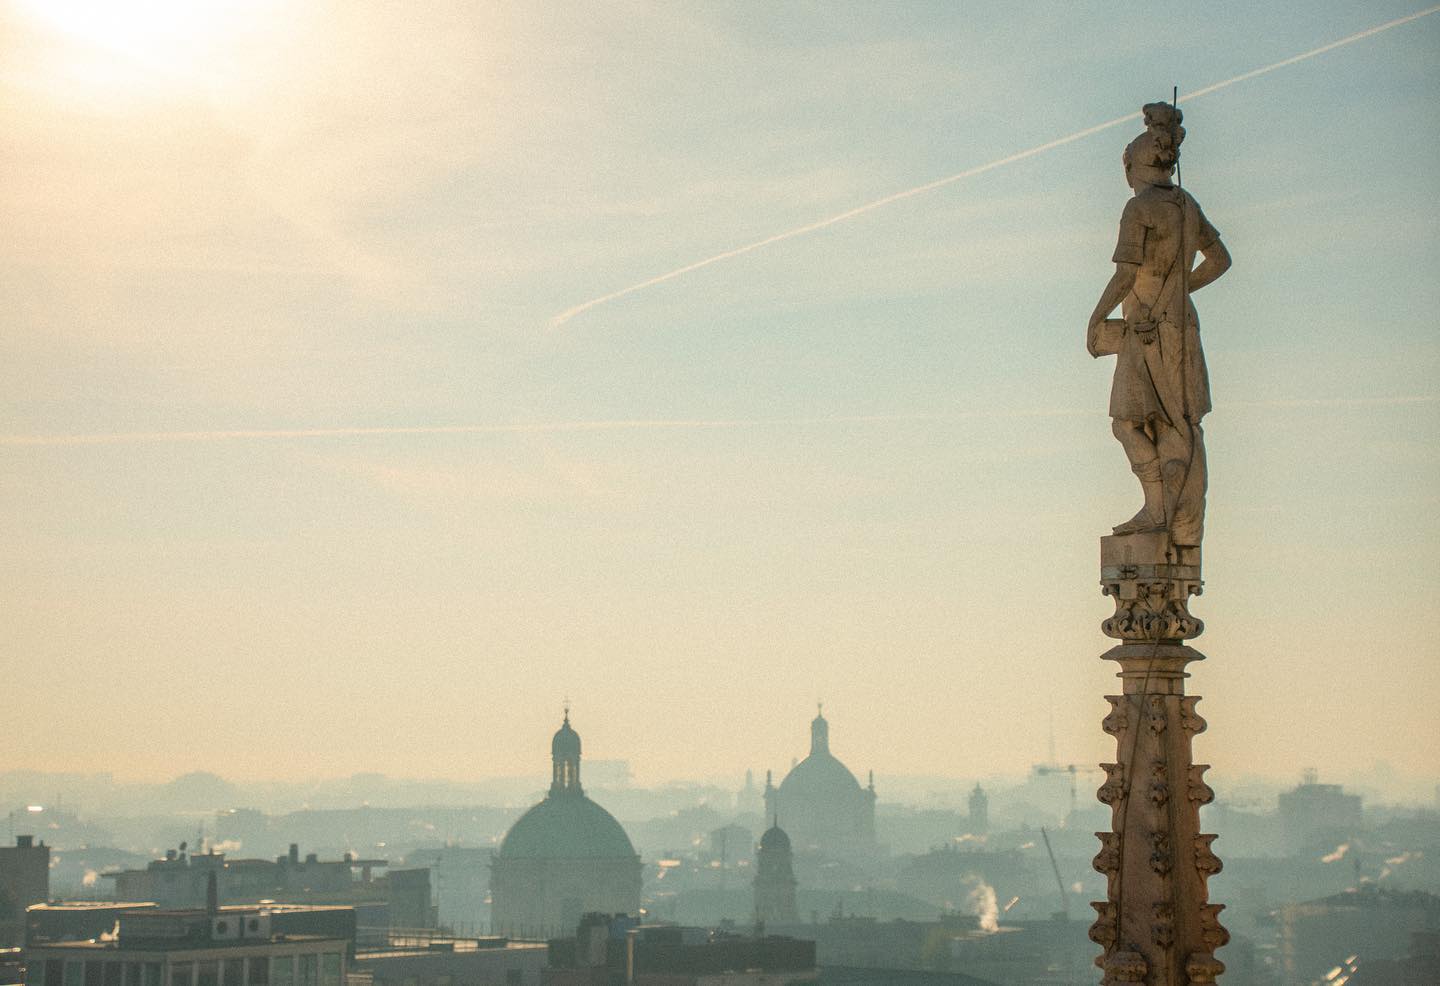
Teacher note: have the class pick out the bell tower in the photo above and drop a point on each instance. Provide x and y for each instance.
(565, 755)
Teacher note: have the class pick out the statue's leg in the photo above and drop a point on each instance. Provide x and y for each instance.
(1145, 462)
(1182, 464)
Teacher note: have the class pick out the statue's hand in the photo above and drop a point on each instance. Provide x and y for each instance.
(1104, 336)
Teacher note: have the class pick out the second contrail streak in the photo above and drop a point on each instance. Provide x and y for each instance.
(570, 313)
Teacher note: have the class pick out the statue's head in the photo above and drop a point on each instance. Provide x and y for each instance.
(1150, 158)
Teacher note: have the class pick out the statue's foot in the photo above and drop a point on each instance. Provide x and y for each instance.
(1141, 523)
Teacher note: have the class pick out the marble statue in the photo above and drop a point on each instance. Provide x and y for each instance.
(1161, 391)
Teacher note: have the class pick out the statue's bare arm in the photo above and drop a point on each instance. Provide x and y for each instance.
(1216, 262)
(1120, 284)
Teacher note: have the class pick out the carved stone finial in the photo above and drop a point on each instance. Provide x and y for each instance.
(1212, 932)
(1104, 930)
(1124, 966)
(1190, 720)
(1206, 862)
(1114, 787)
(1198, 791)
(1107, 861)
(1115, 722)
(1203, 969)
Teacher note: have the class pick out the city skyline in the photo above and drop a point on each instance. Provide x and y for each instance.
(298, 469)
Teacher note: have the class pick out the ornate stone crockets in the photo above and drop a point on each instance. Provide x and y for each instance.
(1158, 926)
(1151, 583)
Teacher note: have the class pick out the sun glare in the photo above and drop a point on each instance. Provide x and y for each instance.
(144, 43)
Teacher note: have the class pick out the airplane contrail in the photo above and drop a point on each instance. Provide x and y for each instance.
(658, 424)
(513, 428)
(616, 424)
(569, 313)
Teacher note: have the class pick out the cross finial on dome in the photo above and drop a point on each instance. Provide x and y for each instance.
(566, 705)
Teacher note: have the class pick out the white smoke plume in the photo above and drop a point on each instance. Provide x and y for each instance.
(984, 906)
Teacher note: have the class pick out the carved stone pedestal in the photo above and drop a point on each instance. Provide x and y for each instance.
(1157, 925)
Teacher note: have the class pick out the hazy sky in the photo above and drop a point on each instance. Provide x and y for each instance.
(868, 464)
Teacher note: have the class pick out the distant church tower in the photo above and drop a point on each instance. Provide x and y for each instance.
(775, 879)
(979, 811)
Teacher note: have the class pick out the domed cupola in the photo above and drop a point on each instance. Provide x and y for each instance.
(565, 753)
(775, 839)
(563, 858)
(824, 805)
(775, 878)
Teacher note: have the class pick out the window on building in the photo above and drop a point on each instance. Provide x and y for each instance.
(114, 971)
(309, 970)
(259, 972)
(282, 971)
(181, 974)
(74, 973)
(133, 974)
(330, 969)
(94, 971)
(234, 972)
(152, 974)
(206, 973)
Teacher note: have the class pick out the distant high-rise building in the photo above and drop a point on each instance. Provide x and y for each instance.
(748, 799)
(564, 858)
(824, 807)
(24, 880)
(1316, 816)
(979, 811)
(775, 879)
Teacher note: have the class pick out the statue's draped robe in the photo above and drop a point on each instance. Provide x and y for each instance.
(1163, 382)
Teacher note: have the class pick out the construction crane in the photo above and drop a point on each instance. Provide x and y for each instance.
(1073, 769)
(1064, 897)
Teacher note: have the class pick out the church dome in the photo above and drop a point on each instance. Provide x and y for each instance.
(567, 827)
(823, 805)
(775, 840)
(819, 775)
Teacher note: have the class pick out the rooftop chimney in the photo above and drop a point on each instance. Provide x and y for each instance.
(24, 841)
